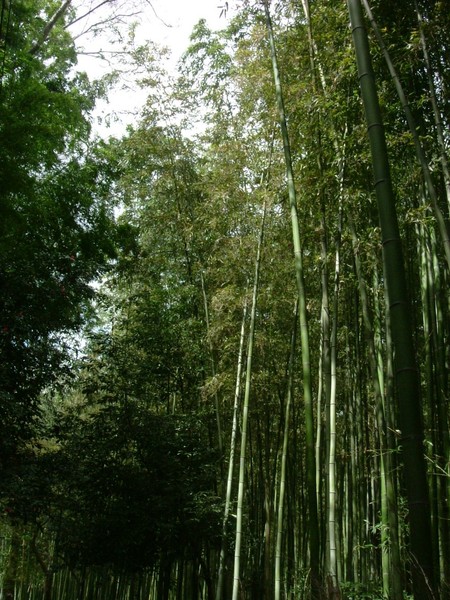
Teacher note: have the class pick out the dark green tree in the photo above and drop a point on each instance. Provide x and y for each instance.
(56, 230)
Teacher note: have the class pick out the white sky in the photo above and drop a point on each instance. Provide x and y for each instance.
(165, 22)
(181, 15)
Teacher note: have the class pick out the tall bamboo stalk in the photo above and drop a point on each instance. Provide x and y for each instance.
(406, 371)
(436, 373)
(434, 104)
(324, 384)
(287, 416)
(332, 492)
(313, 529)
(391, 564)
(245, 410)
(213, 374)
(420, 153)
(237, 395)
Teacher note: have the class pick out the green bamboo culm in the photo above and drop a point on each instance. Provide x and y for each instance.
(313, 528)
(245, 415)
(406, 372)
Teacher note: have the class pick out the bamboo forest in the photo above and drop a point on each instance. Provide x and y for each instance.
(225, 330)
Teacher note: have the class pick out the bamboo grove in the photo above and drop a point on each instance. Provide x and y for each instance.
(260, 408)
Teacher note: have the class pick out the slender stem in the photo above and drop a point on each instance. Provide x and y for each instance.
(280, 515)
(434, 104)
(313, 529)
(332, 493)
(245, 410)
(237, 394)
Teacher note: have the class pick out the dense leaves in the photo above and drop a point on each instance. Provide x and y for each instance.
(56, 230)
(118, 486)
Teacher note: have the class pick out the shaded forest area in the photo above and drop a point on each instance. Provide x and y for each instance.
(224, 335)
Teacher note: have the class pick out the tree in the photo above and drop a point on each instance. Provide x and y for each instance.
(57, 229)
(132, 502)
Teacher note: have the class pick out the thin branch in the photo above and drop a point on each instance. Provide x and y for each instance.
(115, 17)
(48, 28)
(89, 12)
(156, 14)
